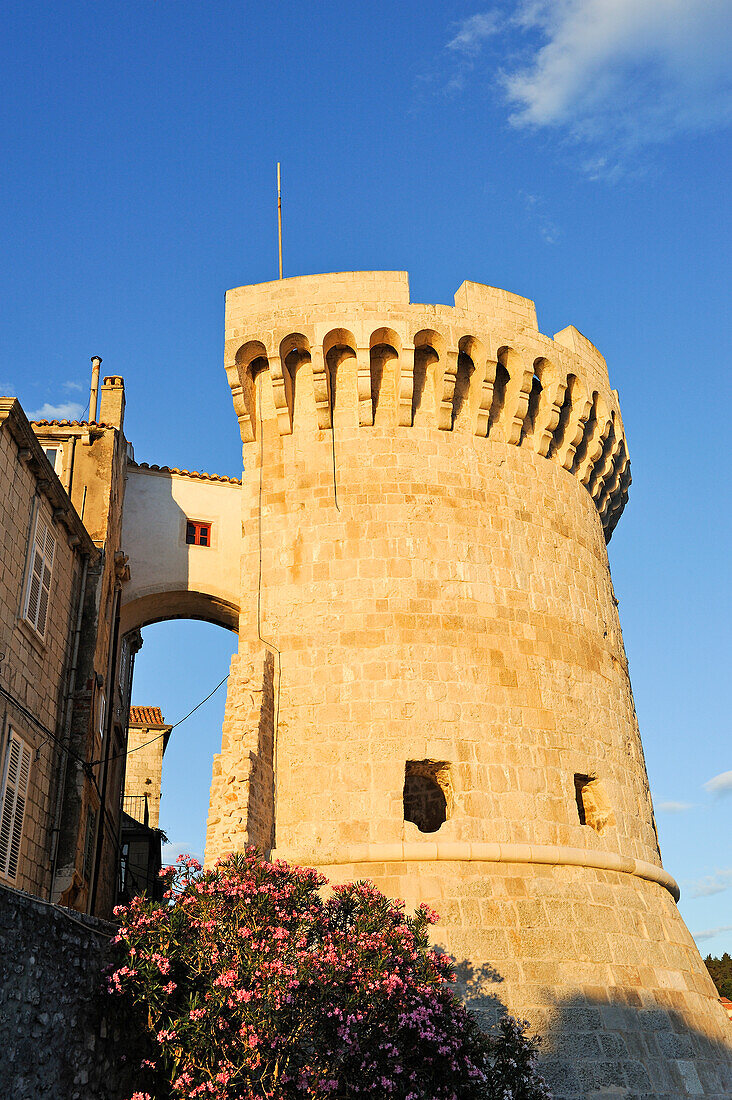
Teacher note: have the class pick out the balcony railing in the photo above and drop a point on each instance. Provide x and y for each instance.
(136, 806)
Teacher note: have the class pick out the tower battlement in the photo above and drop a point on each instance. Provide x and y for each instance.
(351, 350)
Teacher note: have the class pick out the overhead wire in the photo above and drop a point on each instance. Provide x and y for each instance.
(180, 721)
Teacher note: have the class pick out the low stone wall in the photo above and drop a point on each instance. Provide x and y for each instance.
(58, 1039)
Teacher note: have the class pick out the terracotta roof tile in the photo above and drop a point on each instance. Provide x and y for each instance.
(185, 473)
(69, 424)
(146, 716)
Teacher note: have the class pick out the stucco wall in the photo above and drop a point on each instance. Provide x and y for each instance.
(169, 578)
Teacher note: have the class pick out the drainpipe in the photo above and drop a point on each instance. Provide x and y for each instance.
(68, 710)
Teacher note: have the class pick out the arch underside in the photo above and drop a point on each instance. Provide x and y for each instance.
(156, 607)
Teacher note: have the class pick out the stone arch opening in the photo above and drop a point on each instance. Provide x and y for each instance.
(179, 664)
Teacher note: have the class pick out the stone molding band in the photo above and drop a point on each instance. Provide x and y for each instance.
(557, 855)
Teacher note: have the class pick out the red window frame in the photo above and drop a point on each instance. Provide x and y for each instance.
(198, 534)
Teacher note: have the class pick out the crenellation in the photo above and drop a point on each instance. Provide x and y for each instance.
(412, 365)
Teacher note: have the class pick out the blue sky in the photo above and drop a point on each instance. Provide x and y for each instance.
(574, 151)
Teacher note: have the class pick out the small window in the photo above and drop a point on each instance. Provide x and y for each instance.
(16, 773)
(101, 713)
(427, 794)
(54, 456)
(593, 805)
(198, 534)
(40, 572)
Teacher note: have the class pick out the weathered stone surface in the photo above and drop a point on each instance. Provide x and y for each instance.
(425, 579)
(58, 1038)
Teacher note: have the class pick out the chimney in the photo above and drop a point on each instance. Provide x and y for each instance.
(112, 405)
(96, 364)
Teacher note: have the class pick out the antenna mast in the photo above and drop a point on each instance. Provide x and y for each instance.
(279, 215)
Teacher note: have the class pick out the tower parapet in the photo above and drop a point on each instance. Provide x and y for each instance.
(480, 367)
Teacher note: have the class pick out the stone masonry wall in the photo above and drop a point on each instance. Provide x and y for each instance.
(426, 501)
(32, 668)
(58, 1039)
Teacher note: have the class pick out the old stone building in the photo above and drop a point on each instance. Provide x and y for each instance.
(65, 669)
(147, 740)
(430, 688)
(47, 556)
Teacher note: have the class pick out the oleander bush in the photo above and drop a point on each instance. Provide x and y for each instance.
(247, 984)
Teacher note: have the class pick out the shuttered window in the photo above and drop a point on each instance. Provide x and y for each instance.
(39, 576)
(12, 809)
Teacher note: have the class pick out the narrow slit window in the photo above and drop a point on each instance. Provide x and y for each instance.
(593, 805)
(198, 534)
(427, 794)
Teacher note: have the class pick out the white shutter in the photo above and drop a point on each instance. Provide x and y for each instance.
(15, 793)
(39, 576)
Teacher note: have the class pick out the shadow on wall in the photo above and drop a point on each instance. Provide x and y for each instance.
(610, 1045)
(261, 809)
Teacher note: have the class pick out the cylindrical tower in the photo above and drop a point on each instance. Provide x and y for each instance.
(431, 689)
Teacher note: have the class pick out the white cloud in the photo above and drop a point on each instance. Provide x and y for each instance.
(175, 848)
(719, 784)
(710, 933)
(536, 209)
(472, 33)
(674, 807)
(466, 44)
(69, 410)
(75, 386)
(712, 884)
(632, 72)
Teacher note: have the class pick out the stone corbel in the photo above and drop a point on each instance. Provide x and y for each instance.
(547, 417)
(445, 375)
(121, 567)
(518, 392)
(578, 416)
(363, 374)
(242, 408)
(604, 467)
(610, 487)
(282, 392)
(321, 387)
(486, 372)
(595, 446)
(405, 386)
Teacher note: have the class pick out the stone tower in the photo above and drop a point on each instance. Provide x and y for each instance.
(431, 689)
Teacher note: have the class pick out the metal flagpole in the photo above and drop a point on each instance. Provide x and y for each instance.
(279, 214)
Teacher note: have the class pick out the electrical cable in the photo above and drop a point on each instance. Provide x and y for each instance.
(92, 763)
(27, 714)
(180, 721)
